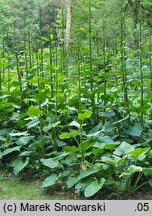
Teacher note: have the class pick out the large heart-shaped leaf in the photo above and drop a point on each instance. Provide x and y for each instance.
(90, 171)
(88, 144)
(123, 149)
(112, 160)
(80, 187)
(94, 187)
(85, 115)
(19, 166)
(131, 170)
(24, 140)
(139, 153)
(49, 181)
(136, 130)
(34, 112)
(50, 163)
(71, 181)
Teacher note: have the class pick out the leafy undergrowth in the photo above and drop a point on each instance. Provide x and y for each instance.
(15, 189)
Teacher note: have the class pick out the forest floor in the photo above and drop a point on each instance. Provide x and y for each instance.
(16, 189)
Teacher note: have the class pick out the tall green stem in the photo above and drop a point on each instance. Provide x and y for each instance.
(50, 51)
(150, 60)
(91, 64)
(104, 59)
(123, 65)
(141, 75)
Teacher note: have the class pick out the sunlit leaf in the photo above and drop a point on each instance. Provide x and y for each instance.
(139, 153)
(85, 115)
(68, 135)
(34, 112)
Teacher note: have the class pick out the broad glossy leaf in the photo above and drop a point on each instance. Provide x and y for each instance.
(94, 187)
(108, 146)
(88, 144)
(85, 115)
(34, 112)
(71, 181)
(49, 181)
(60, 143)
(111, 146)
(139, 153)
(34, 80)
(80, 187)
(98, 152)
(24, 140)
(150, 153)
(68, 135)
(147, 3)
(112, 160)
(131, 170)
(49, 163)
(71, 149)
(147, 171)
(90, 171)
(99, 145)
(123, 149)
(107, 114)
(96, 129)
(105, 139)
(108, 127)
(20, 165)
(9, 150)
(136, 130)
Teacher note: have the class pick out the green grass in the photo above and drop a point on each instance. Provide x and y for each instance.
(15, 189)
